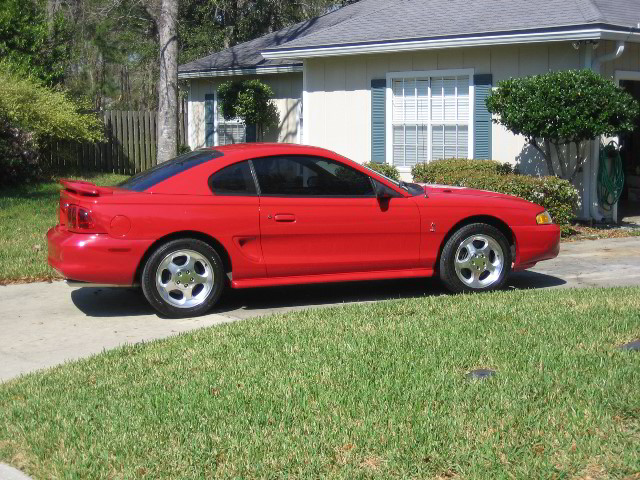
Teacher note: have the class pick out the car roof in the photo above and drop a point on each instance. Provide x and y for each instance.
(272, 148)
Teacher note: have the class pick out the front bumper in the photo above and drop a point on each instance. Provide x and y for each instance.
(535, 243)
(94, 257)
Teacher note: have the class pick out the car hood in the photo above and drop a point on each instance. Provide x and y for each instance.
(465, 191)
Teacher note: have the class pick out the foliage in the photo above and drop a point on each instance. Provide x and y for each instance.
(360, 391)
(555, 194)
(114, 54)
(445, 167)
(33, 43)
(207, 26)
(250, 101)
(389, 171)
(183, 148)
(44, 112)
(31, 114)
(562, 109)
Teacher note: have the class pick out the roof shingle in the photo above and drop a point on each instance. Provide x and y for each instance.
(373, 21)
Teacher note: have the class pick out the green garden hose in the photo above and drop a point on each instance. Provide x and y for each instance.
(610, 180)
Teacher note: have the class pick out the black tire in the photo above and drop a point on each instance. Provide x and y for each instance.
(154, 296)
(448, 273)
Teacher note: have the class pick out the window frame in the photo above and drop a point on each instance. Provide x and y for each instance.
(331, 160)
(417, 74)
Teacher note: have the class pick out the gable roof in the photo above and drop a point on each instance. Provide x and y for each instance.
(369, 24)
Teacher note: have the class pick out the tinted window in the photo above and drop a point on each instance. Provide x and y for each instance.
(233, 180)
(310, 176)
(161, 172)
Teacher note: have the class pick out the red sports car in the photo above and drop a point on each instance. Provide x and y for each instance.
(256, 215)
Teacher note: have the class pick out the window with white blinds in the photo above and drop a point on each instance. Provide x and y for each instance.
(230, 131)
(430, 118)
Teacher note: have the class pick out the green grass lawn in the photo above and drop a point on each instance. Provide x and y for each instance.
(26, 213)
(361, 391)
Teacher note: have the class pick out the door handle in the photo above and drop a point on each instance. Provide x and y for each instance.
(285, 217)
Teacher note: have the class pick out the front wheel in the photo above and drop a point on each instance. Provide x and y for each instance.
(183, 278)
(476, 258)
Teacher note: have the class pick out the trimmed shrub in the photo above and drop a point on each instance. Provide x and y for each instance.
(555, 194)
(457, 165)
(384, 169)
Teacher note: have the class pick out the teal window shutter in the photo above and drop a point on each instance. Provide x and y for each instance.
(482, 117)
(378, 127)
(209, 115)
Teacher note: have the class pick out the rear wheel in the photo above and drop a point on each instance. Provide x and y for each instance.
(476, 258)
(183, 278)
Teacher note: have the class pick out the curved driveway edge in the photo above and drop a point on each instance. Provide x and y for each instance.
(10, 473)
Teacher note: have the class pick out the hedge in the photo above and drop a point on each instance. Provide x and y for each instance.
(384, 169)
(558, 196)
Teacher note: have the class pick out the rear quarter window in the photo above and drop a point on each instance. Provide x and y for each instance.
(235, 179)
(151, 177)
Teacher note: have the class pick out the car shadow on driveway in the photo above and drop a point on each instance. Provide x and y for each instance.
(245, 303)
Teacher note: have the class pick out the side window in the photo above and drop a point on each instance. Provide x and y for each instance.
(302, 176)
(235, 179)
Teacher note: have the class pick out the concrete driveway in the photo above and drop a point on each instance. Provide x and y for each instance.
(45, 324)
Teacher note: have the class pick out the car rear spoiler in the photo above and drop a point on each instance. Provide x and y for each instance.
(88, 189)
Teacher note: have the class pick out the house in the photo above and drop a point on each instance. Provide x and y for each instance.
(404, 81)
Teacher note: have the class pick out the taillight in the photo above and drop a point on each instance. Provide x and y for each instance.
(79, 218)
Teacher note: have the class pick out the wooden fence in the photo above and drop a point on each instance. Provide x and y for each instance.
(130, 145)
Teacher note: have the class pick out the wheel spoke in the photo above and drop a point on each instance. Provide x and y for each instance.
(465, 263)
(187, 293)
(172, 267)
(199, 278)
(170, 286)
(191, 264)
(486, 248)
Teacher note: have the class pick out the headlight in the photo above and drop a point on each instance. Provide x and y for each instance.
(544, 218)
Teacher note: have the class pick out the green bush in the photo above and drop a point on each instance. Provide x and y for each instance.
(457, 165)
(31, 116)
(555, 194)
(385, 169)
(562, 109)
(251, 101)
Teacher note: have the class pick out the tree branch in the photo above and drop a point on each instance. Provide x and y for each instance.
(561, 159)
(579, 161)
(546, 155)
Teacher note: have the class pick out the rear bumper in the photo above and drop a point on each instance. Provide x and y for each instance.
(94, 258)
(535, 243)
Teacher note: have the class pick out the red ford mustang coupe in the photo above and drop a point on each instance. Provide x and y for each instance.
(256, 215)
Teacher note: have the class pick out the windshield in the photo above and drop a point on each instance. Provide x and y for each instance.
(413, 188)
(147, 179)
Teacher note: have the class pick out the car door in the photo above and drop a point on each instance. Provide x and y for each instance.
(320, 216)
(233, 219)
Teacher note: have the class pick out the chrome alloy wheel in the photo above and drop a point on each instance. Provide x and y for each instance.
(479, 261)
(184, 278)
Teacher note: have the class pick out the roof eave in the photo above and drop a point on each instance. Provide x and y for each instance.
(207, 73)
(559, 35)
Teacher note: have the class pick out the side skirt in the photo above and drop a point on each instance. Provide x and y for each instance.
(332, 277)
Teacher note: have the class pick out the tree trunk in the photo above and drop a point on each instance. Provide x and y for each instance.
(168, 81)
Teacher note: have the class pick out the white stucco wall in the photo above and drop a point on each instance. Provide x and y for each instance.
(287, 88)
